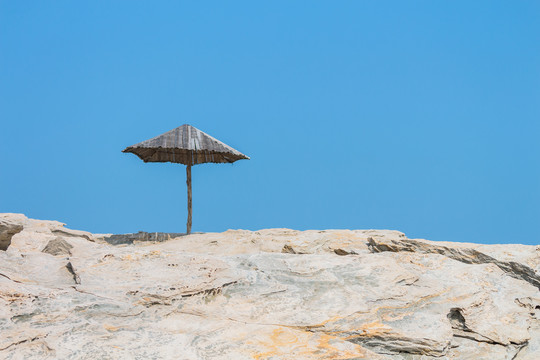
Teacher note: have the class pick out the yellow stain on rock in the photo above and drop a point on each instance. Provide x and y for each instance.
(286, 343)
(110, 327)
(374, 328)
(153, 253)
(330, 351)
(395, 317)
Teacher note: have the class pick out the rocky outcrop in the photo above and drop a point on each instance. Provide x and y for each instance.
(269, 294)
(9, 226)
(468, 255)
(138, 237)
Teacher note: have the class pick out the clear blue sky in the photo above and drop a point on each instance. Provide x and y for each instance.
(419, 116)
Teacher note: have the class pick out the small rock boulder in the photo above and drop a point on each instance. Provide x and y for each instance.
(58, 246)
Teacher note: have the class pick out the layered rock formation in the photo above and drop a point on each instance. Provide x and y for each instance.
(270, 294)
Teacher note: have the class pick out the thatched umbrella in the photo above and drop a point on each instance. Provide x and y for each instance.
(185, 145)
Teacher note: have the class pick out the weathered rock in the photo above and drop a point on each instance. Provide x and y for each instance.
(270, 294)
(10, 224)
(58, 246)
(73, 233)
(468, 255)
(138, 237)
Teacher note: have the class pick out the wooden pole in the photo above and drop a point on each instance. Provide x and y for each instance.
(188, 182)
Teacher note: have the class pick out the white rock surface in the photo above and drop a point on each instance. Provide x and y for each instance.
(269, 294)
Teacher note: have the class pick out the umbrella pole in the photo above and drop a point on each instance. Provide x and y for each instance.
(188, 182)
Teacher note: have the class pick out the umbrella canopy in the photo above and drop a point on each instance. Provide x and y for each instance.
(185, 145)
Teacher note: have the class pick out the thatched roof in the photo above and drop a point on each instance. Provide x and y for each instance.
(186, 145)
